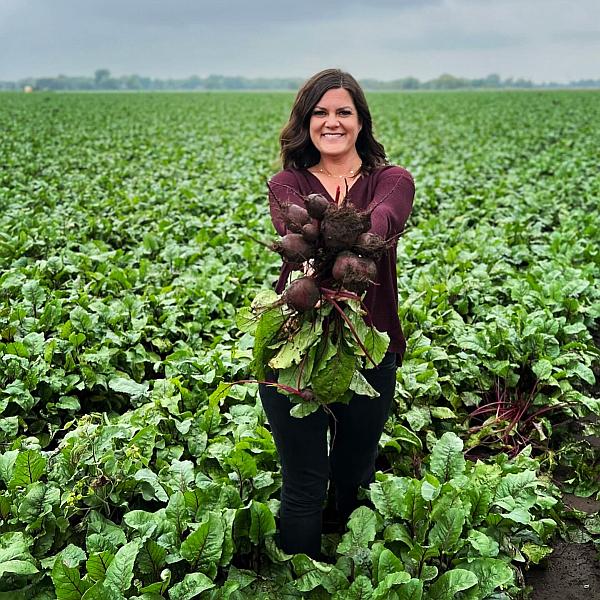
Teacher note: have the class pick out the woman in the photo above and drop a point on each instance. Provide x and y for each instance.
(328, 147)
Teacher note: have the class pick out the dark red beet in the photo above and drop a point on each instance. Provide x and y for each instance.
(370, 245)
(355, 273)
(316, 205)
(307, 395)
(302, 294)
(295, 217)
(294, 248)
(310, 232)
(344, 263)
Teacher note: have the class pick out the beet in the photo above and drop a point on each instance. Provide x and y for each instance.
(355, 273)
(293, 248)
(310, 232)
(341, 227)
(302, 294)
(307, 395)
(295, 217)
(370, 245)
(316, 205)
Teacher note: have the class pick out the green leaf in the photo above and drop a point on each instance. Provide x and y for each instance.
(141, 521)
(29, 467)
(268, 326)
(293, 350)
(39, 501)
(451, 582)
(535, 553)
(414, 508)
(7, 465)
(99, 524)
(129, 387)
(153, 488)
(442, 412)
(151, 558)
(242, 463)
(362, 530)
(411, 590)
(481, 499)
(430, 487)
(585, 373)
(388, 563)
(102, 591)
(18, 567)
(262, 522)
(447, 530)
(375, 342)
(203, 547)
(303, 409)
(391, 582)
(388, 496)
(192, 585)
(333, 381)
(361, 386)
(397, 532)
(447, 460)
(67, 582)
(97, 564)
(542, 368)
(309, 572)
(491, 574)
(483, 544)
(403, 434)
(120, 571)
(361, 589)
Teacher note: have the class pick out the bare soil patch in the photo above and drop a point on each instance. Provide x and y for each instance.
(572, 573)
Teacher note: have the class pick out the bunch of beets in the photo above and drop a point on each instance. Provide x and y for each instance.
(335, 244)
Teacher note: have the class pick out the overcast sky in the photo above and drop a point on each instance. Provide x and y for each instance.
(541, 40)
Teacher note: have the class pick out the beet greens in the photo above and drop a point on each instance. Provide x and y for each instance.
(314, 336)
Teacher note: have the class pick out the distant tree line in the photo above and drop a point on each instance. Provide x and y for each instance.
(102, 80)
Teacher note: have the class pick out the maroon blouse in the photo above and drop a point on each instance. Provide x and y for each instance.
(395, 188)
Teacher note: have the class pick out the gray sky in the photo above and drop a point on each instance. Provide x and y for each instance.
(541, 40)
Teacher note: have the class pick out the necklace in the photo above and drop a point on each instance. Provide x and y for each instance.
(351, 173)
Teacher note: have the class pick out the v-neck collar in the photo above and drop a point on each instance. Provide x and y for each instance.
(328, 195)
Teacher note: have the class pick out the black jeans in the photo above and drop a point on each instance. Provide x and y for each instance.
(308, 465)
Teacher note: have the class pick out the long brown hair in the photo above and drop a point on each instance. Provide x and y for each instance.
(297, 149)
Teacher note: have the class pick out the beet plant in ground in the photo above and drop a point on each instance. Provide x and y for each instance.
(313, 338)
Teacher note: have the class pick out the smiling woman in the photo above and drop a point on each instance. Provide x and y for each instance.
(328, 148)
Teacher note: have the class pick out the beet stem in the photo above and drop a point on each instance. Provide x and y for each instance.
(349, 323)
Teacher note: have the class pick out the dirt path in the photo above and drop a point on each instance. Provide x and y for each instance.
(572, 573)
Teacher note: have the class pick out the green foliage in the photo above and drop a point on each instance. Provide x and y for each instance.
(129, 468)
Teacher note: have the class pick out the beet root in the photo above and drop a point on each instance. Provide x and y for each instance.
(295, 217)
(302, 294)
(316, 205)
(370, 245)
(310, 232)
(307, 395)
(341, 227)
(293, 248)
(354, 272)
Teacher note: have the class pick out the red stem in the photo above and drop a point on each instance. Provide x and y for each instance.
(349, 323)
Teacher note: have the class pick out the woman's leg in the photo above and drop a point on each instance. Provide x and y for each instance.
(302, 447)
(357, 431)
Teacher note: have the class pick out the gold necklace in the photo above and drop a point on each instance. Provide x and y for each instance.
(351, 173)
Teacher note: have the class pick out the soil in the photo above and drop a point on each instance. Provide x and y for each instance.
(572, 573)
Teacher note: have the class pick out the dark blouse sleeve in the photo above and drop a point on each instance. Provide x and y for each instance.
(393, 200)
(283, 189)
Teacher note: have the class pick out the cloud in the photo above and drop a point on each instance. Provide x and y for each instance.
(383, 39)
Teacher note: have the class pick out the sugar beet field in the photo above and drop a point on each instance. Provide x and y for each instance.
(127, 468)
